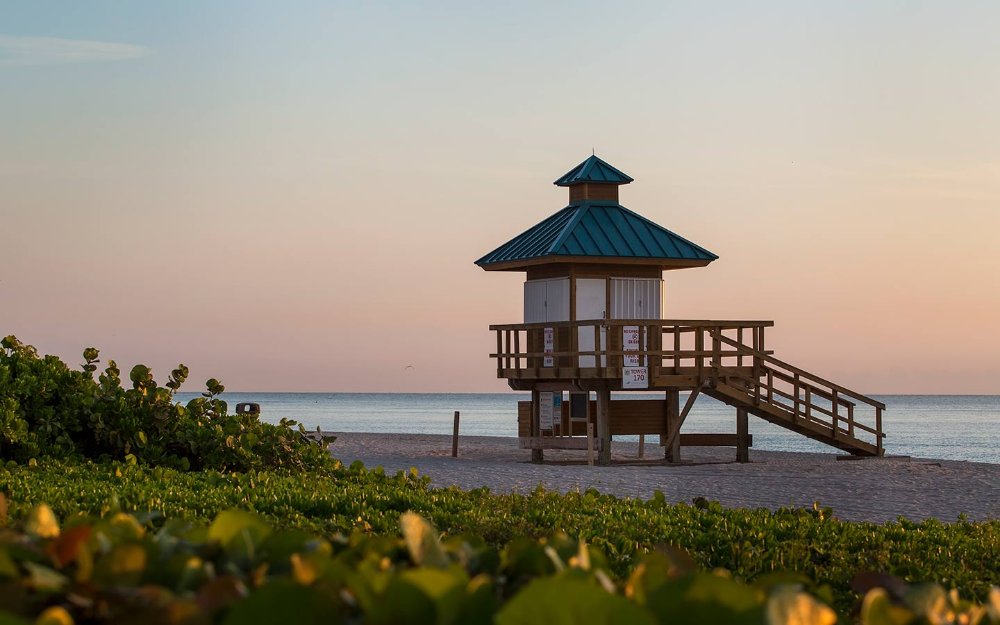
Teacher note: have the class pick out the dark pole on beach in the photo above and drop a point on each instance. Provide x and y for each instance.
(454, 438)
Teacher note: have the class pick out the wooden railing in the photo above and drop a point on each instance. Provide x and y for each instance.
(730, 355)
(670, 345)
(809, 397)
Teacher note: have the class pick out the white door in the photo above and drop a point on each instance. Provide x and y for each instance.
(591, 303)
(546, 300)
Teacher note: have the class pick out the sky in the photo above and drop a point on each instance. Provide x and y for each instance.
(290, 197)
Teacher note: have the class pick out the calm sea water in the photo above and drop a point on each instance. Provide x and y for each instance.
(952, 427)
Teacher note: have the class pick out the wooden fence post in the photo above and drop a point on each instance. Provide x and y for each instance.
(454, 438)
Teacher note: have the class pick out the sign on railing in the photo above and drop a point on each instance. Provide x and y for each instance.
(635, 377)
(549, 346)
(630, 343)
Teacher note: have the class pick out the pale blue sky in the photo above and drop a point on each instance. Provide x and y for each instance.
(344, 163)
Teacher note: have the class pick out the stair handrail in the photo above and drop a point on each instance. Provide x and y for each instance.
(802, 372)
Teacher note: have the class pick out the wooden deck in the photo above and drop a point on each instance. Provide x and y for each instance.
(726, 360)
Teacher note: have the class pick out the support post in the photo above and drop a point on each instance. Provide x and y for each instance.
(642, 446)
(537, 456)
(742, 436)
(604, 426)
(590, 443)
(454, 438)
(672, 452)
(878, 431)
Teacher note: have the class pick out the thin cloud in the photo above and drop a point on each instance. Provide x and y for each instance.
(20, 51)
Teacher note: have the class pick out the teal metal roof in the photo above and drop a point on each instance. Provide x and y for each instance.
(593, 170)
(597, 229)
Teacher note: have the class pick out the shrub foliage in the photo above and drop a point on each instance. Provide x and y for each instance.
(48, 409)
(750, 543)
(240, 570)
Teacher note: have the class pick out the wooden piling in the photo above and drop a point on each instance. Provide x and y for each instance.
(672, 452)
(742, 436)
(454, 438)
(604, 426)
(537, 456)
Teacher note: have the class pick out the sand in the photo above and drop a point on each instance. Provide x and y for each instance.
(875, 489)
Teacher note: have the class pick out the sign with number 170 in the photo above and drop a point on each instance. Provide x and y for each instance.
(635, 377)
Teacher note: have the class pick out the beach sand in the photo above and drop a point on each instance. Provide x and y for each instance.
(858, 490)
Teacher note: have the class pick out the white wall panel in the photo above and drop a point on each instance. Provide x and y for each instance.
(591, 303)
(557, 299)
(534, 301)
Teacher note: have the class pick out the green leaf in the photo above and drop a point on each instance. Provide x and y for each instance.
(6, 618)
(706, 598)
(283, 602)
(44, 579)
(445, 587)
(789, 606)
(402, 603)
(422, 541)
(42, 522)
(565, 601)
(878, 609)
(122, 566)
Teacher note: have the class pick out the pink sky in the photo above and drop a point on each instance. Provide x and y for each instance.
(307, 221)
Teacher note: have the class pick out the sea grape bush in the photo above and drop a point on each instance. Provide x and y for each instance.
(752, 544)
(48, 409)
(238, 569)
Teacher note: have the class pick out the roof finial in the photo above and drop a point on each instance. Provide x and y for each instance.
(593, 152)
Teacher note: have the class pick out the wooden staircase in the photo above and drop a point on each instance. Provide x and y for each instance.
(797, 400)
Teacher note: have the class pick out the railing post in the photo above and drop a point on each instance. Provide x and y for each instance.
(598, 362)
(796, 401)
(506, 350)
(808, 402)
(699, 349)
(836, 418)
(770, 386)
(643, 347)
(517, 350)
(499, 353)
(878, 429)
(850, 419)
(716, 354)
(739, 339)
(677, 350)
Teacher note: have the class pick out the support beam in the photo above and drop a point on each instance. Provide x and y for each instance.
(672, 453)
(537, 455)
(742, 436)
(675, 430)
(604, 426)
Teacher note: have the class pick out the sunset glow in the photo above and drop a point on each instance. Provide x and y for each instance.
(294, 201)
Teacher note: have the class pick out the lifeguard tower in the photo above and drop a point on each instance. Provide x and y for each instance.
(593, 323)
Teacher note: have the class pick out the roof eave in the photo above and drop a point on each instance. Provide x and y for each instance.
(665, 264)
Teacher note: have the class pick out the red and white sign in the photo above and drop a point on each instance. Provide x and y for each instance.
(549, 346)
(630, 343)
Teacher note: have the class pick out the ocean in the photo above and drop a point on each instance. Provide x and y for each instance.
(949, 427)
